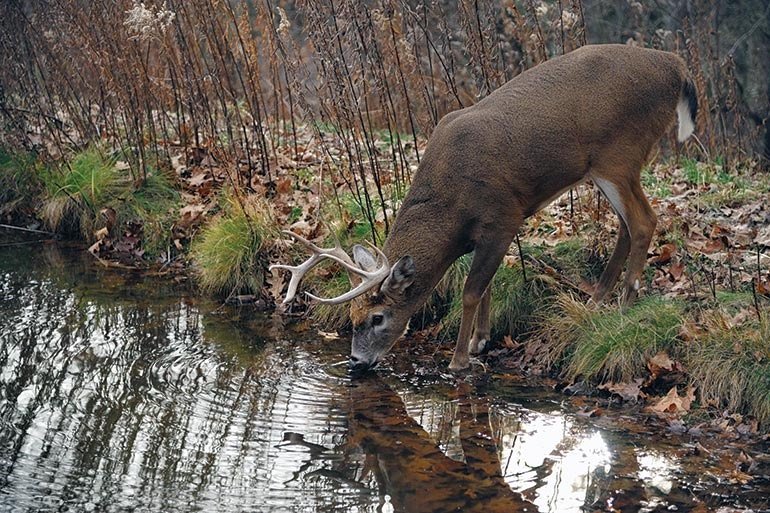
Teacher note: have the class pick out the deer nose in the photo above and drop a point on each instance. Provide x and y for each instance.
(356, 365)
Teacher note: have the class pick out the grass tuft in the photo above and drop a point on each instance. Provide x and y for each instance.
(76, 193)
(154, 205)
(605, 343)
(513, 305)
(231, 251)
(730, 362)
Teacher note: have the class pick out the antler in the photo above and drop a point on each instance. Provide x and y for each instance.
(369, 279)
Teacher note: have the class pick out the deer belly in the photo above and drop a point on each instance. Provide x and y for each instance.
(551, 198)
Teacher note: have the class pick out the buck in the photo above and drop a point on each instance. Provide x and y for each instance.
(592, 114)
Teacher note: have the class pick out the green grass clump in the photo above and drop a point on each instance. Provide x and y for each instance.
(231, 251)
(331, 317)
(656, 183)
(514, 301)
(606, 343)
(154, 204)
(75, 193)
(730, 360)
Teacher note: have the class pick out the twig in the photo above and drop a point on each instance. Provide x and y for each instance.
(521, 257)
(30, 230)
(756, 298)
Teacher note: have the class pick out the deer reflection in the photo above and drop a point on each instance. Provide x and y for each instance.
(408, 465)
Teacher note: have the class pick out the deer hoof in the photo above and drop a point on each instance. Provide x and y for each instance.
(459, 364)
(477, 346)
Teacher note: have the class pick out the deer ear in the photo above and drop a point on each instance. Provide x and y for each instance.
(364, 258)
(400, 278)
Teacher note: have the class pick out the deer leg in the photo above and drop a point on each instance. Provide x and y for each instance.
(620, 254)
(481, 330)
(486, 260)
(641, 227)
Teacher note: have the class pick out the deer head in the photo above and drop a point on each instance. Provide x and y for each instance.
(377, 291)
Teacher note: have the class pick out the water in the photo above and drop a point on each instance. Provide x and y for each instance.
(120, 392)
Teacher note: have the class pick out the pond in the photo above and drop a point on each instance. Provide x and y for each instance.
(126, 392)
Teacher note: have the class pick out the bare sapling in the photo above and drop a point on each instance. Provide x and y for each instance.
(592, 114)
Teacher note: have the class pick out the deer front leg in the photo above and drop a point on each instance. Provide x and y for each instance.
(481, 331)
(486, 259)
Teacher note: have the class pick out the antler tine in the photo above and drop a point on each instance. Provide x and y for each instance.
(297, 273)
(369, 279)
(336, 250)
(380, 255)
(347, 296)
(366, 275)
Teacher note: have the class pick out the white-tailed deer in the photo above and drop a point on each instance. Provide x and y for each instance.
(594, 113)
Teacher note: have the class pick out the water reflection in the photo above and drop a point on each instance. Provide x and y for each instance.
(116, 395)
(405, 462)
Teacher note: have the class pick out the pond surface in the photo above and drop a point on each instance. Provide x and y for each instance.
(122, 392)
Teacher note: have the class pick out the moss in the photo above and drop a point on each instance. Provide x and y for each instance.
(231, 252)
(607, 343)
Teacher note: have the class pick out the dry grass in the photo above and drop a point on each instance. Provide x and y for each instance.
(730, 362)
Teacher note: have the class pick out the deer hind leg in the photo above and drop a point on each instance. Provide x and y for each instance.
(641, 226)
(620, 254)
(481, 330)
(637, 226)
(486, 259)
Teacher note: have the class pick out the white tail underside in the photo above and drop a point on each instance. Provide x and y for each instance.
(686, 123)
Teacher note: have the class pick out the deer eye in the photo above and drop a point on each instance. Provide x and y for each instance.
(377, 319)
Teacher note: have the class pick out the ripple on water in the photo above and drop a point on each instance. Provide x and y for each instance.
(157, 417)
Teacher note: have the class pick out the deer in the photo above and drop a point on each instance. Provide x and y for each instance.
(592, 114)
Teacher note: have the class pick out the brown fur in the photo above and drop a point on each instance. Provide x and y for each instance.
(595, 112)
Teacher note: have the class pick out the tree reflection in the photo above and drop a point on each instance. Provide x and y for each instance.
(407, 464)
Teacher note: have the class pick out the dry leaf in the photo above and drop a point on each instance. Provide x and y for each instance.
(665, 253)
(276, 284)
(661, 363)
(673, 402)
(100, 234)
(627, 391)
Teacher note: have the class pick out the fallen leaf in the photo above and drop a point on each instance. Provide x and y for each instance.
(662, 363)
(596, 412)
(627, 391)
(100, 234)
(508, 342)
(665, 253)
(200, 178)
(673, 402)
(276, 284)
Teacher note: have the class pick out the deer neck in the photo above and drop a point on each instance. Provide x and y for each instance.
(419, 234)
